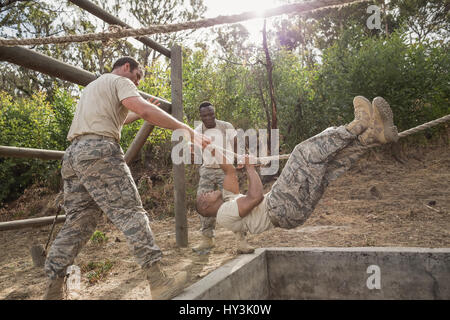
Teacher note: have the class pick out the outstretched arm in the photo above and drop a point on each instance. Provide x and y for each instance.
(156, 116)
(133, 116)
(255, 193)
(230, 181)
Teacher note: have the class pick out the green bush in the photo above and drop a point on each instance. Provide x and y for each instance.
(31, 123)
(413, 78)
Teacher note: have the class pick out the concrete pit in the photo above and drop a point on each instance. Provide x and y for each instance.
(368, 273)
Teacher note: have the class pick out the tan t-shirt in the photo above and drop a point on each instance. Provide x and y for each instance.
(226, 141)
(255, 222)
(100, 110)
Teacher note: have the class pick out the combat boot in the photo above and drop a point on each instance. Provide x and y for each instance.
(205, 244)
(381, 129)
(162, 287)
(363, 114)
(242, 245)
(54, 289)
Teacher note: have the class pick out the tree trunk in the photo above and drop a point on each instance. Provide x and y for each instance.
(269, 68)
(266, 110)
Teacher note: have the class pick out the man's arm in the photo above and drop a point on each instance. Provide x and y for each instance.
(255, 193)
(230, 181)
(154, 115)
(131, 117)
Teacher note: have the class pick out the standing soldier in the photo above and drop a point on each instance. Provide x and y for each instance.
(96, 176)
(211, 175)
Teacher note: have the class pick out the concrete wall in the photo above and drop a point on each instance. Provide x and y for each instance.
(243, 278)
(329, 273)
(344, 273)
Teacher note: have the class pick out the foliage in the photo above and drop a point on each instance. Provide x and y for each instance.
(412, 78)
(31, 123)
(164, 12)
(98, 237)
(228, 86)
(96, 271)
(155, 83)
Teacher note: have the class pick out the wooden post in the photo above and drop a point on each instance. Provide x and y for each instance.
(181, 229)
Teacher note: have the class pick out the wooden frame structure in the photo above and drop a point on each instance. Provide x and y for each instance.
(39, 62)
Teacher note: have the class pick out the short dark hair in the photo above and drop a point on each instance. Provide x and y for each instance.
(204, 104)
(121, 61)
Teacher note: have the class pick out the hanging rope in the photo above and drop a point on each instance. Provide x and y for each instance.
(266, 160)
(424, 126)
(294, 8)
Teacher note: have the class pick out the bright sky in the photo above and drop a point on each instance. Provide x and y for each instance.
(226, 7)
(230, 7)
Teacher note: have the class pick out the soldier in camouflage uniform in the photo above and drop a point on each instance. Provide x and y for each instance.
(312, 165)
(211, 175)
(96, 177)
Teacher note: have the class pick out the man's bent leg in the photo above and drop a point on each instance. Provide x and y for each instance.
(209, 180)
(107, 178)
(81, 219)
(109, 182)
(301, 183)
(344, 160)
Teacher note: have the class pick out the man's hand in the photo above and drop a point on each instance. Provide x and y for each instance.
(246, 160)
(198, 139)
(154, 101)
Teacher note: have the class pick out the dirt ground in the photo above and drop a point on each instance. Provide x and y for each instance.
(380, 202)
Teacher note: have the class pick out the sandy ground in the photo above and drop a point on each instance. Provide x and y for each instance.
(380, 202)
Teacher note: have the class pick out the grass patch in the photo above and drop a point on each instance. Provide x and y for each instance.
(96, 271)
(98, 237)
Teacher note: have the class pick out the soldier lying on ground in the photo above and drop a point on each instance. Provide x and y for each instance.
(312, 165)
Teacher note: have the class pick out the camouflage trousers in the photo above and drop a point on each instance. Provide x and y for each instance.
(96, 177)
(210, 179)
(312, 165)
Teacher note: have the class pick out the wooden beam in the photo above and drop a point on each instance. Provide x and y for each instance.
(36, 222)
(109, 18)
(138, 142)
(130, 155)
(39, 62)
(16, 152)
(181, 228)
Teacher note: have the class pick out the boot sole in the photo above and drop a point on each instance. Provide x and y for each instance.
(245, 251)
(383, 109)
(173, 291)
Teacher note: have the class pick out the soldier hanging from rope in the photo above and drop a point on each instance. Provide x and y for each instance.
(312, 165)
